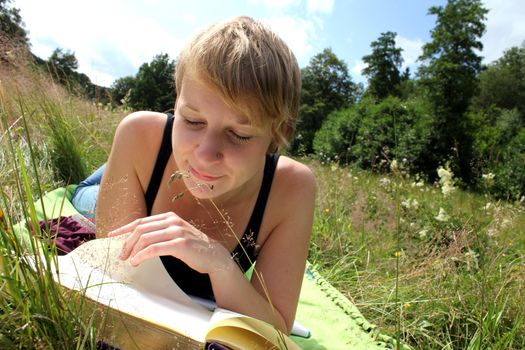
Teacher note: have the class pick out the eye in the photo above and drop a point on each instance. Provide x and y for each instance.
(192, 123)
(240, 138)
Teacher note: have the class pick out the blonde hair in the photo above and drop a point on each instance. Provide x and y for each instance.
(253, 70)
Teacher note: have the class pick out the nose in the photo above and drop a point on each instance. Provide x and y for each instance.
(209, 148)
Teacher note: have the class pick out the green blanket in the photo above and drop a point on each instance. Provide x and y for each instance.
(332, 319)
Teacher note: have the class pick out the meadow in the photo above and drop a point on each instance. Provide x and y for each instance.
(432, 265)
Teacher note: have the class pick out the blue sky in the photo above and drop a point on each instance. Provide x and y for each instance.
(112, 38)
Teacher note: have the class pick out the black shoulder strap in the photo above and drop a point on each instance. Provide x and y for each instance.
(249, 237)
(162, 160)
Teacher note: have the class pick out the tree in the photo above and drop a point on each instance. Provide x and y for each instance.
(154, 87)
(121, 90)
(450, 64)
(383, 66)
(11, 23)
(63, 65)
(326, 87)
(502, 84)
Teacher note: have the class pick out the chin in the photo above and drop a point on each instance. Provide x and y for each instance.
(201, 190)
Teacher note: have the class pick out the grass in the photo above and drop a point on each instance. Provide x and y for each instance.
(435, 281)
(459, 281)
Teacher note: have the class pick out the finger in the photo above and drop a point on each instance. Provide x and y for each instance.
(157, 249)
(158, 236)
(161, 223)
(131, 226)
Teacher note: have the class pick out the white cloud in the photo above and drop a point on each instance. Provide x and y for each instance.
(298, 33)
(275, 4)
(104, 33)
(505, 27)
(357, 70)
(111, 39)
(412, 49)
(312, 6)
(322, 6)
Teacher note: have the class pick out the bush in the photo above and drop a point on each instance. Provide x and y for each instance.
(373, 134)
(499, 149)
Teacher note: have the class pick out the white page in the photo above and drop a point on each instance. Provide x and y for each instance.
(146, 291)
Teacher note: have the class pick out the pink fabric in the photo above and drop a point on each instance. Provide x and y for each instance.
(67, 233)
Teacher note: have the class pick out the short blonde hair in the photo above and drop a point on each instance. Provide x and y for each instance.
(253, 70)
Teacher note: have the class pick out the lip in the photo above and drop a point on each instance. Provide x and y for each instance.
(202, 176)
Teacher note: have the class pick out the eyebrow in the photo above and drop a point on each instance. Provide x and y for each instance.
(240, 119)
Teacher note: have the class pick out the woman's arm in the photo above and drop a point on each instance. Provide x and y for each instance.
(274, 290)
(121, 195)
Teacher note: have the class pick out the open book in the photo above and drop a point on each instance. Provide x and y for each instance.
(142, 308)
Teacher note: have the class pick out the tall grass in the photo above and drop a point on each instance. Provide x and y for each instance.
(46, 138)
(437, 271)
(460, 275)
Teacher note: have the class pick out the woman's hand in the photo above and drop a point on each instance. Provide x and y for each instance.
(168, 234)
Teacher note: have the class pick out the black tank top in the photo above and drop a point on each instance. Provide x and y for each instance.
(189, 280)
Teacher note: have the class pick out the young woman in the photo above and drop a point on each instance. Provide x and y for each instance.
(205, 190)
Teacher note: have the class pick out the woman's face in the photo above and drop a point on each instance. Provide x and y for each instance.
(214, 145)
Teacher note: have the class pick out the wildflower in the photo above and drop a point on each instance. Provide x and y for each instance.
(384, 182)
(423, 234)
(410, 203)
(488, 179)
(333, 167)
(327, 210)
(471, 259)
(446, 180)
(394, 167)
(407, 305)
(442, 215)
(397, 254)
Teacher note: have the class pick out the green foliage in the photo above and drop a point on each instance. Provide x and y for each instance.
(502, 84)
(154, 85)
(450, 63)
(11, 23)
(121, 90)
(499, 149)
(63, 65)
(67, 158)
(338, 134)
(383, 66)
(373, 134)
(326, 87)
(457, 274)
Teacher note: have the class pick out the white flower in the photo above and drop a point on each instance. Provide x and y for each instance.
(488, 179)
(471, 259)
(384, 182)
(442, 215)
(446, 180)
(394, 166)
(423, 234)
(410, 203)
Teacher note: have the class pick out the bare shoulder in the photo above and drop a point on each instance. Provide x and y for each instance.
(139, 133)
(143, 123)
(294, 176)
(136, 144)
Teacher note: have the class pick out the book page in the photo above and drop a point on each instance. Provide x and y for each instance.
(146, 291)
(234, 330)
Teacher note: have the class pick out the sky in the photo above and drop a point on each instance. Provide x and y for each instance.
(113, 38)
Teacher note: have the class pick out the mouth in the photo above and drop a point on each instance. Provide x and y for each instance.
(202, 176)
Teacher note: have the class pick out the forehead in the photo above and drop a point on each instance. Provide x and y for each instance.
(199, 94)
